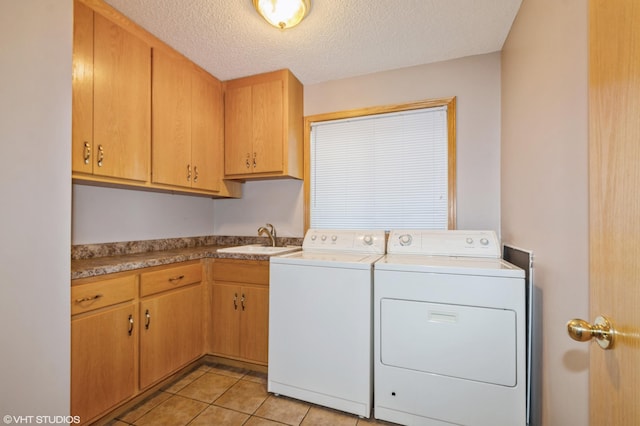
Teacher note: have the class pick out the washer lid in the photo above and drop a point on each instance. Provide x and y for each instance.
(449, 265)
(333, 259)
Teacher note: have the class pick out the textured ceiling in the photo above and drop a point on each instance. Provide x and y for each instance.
(338, 39)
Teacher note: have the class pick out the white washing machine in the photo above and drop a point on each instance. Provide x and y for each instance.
(449, 331)
(320, 320)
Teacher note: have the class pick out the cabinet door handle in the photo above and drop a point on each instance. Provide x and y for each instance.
(178, 278)
(147, 321)
(195, 173)
(254, 160)
(246, 162)
(235, 301)
(86, 152)
(242, 301)
(188, 172)
(100, 155)
(130, 324)
(89, 298)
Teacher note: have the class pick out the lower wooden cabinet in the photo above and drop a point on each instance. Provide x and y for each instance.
(104, 362)
(131, 330)
(171, 327)
(240, 310)
(104, 341)
(170, 333)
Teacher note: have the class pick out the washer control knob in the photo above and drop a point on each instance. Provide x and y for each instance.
(405, 239)
(334, 237)
(313, 237)
(368, 240)
(469, 240)
(323, 238)
(484, 242)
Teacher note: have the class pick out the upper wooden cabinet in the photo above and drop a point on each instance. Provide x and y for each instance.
(112, 110)
(111, 120)
(187, 124)
(263, 126)
(207, 131)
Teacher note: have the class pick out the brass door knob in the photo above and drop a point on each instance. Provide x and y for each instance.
(602, 330)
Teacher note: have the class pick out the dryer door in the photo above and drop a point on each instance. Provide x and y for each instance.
(466, 342)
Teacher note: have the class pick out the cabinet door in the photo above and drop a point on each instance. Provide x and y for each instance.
(171, 120)
(121, 102)
(103, 359)
(225, 318)
(254, 323)
(82, 89)
(170, 333)
(268, 126)
(238, 127)
(207, 131)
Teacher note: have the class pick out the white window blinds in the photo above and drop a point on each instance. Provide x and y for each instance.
(384, 171)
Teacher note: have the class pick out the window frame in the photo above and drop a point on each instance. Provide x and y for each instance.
(450, 103)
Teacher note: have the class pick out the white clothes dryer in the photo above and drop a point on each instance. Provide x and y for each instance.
(449, 331)
(320, 320)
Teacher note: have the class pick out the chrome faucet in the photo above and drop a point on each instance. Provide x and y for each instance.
(271, 233)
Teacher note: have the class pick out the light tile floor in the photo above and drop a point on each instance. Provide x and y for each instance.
(223, 395)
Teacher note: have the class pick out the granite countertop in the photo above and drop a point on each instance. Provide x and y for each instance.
(100, 259)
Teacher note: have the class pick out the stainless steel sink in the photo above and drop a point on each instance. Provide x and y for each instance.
(259, 249)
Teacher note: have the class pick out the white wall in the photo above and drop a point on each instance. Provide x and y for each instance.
(545, 188)
(35, 147)
(475, 81)
(278, 202)
(104, 215)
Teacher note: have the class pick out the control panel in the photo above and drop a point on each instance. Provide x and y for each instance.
(445, 243)
(360, 241)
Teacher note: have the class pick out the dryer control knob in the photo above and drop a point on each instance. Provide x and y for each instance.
(469, 240)
(313, 237)
(484, 242)
(368, 240)
(334, 237)
(323, 238)
(405, 239)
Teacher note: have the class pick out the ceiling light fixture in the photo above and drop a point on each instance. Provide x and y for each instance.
(283, 14)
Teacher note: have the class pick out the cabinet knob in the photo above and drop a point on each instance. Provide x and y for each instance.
(89, 298)
(176, 278)
(100, 155)
(86, 155)
(130, 324)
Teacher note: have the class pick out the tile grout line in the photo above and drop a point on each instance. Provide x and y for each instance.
(197, 415)
(237, 376)
(265, 418)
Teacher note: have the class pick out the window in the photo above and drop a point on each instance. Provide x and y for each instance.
(382, 168)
